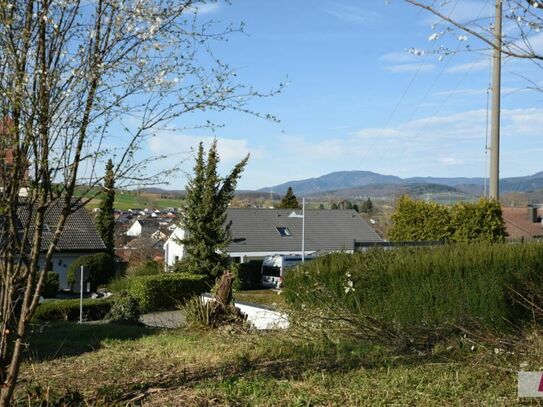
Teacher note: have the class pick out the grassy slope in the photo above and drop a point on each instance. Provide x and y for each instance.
(212, 368)
(129, 200)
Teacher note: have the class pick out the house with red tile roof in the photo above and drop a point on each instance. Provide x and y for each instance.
(524, 223)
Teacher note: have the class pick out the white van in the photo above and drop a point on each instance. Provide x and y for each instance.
(275, 267)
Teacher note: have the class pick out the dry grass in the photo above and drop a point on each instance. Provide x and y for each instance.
(270, 369)
(269, 297)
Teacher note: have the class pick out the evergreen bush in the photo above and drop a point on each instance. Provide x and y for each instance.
(125, 309)
(50, 285)
(166, 290)
(432, 287)
(464, 222)
(68, 310)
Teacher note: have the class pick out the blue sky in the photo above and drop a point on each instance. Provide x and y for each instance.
(357, 99)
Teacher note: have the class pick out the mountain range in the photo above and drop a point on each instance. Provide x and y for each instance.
(366, 183)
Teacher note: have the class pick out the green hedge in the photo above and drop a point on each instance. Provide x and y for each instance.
(50, 285)
(464, 222)
(166, 290)
(68, 310)
(453, 284)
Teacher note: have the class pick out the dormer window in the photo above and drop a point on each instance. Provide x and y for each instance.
(283, 231)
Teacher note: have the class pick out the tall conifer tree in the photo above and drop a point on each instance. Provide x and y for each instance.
(289, 201)
(204, 216)
(105, 221)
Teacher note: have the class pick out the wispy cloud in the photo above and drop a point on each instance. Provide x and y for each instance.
(398, 57)
(230, 150)
(442, 145)
(463, 11)
(351, 14)
(206, 8)
(475, 66)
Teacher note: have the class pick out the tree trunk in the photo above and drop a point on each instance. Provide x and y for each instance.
(224, 289)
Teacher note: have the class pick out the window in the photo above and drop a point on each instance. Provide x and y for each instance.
(284, 232)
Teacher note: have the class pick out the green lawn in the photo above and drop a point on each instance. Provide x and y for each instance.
(129, 200)
(117, 364)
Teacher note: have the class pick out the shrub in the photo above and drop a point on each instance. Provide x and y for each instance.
(118, 284)
(480, 222)
(432, 287)
(68, 310)
(166, 290)
(125, 309)
(249, 275)
(99, 267)
(146, 268)
(50, 285)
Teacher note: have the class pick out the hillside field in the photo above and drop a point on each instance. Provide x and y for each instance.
(125, 200)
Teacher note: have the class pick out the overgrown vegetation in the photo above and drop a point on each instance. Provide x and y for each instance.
(382, 295)
(119, 365)
(463, 222)
(211, 314)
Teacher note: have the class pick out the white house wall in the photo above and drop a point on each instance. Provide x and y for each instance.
(61, 263)
(173, 250)
(135, 230)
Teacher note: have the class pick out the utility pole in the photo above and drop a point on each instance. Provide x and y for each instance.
(494, 187)
(303, 229)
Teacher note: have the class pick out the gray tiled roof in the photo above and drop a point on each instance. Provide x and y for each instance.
(255, 230)
(79, 232)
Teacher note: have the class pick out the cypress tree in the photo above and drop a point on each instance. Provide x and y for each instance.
(105, 221)
(289, 201)
(204, 216)
(367, 206)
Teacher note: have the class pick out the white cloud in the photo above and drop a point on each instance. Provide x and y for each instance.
(398, 57)
(206, 8)
(463, 11)
(351, 14)
(167, 143)
(444, 145)
(475, 66)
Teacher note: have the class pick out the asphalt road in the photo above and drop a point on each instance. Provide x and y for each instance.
(164, 319)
